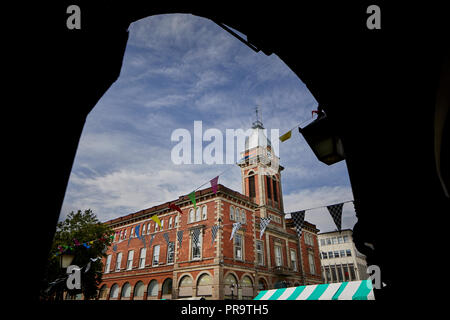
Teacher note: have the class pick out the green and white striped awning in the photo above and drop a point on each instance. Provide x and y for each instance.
(354, 290)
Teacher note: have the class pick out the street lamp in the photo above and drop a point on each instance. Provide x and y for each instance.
(323, 140)
(65, 260)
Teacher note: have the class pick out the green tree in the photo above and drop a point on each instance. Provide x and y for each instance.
(71, 234)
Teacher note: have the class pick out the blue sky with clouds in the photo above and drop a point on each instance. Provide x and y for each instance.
(178, 69)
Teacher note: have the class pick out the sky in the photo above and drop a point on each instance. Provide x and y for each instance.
(177, 69)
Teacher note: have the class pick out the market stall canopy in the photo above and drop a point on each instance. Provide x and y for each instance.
(353, 290)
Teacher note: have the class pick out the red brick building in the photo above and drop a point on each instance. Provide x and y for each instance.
(219, 269)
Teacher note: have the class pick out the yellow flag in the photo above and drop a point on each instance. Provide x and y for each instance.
(286, 136)
(156, 219)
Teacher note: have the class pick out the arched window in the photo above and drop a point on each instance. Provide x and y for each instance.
(238, 216)
(126, 290)
(152, 289)
(170, 222)
(102, 292)
(247, 288)
(231, 287)
(114, 293)
(204, 213)
(243, 216)
(262, 285)
(139, 289)
(167, 287)
(191, 215)
(143, 228)
(185, 287)
(198, 214)
(204, 285)
(176, 220)
(231, 213)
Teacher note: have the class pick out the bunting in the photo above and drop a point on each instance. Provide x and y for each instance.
(192, 197)
(214, 232)
(262, 225)
(151, 240)
(299, 219)
(156, 219)
(136, 231)
(115, 248)
(236, 227)
(144, 240)
(214, 184)
(166, 237)
(286, 136)
(336, 213)
(180, 236)
(173, 206)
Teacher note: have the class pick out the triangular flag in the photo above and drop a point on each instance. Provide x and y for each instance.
(180, 236)
(286, 136)
(236, 227)
(336, 213)
(173, 206)
(156, 219)
(136, 231)
(262, 225)
(86, 245)
(151, 240)
(214, 232)
(166, 237)
(299, 219)
(214, 184)
(192, 197)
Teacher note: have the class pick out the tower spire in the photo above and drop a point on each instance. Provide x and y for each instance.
(257, 123)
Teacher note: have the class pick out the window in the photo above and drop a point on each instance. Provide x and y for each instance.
(339, 272)
(198, 214)
(238, 247)
(251, 187)
(269, 185)
(162, 225)
(142, 257)
(143, 229)
(349, 252)
(197, 247)
(231, 213)
(170, 252)
(126, 290)
(155, 255)
(156, 227)
(243, 217)
(130, 259)
(342, 253)
(170, 222)
(132, 233)
(275, 195)
(139, 290)
(148, 228)
(293, 260)
(340, 240)
(346, 239)
(152, 288)
(167, 287)
(312, 265)
(238, 216)
(204, 213)
(260, 252)
(322, 242)
(336, 254)
(118, 261)
(108, 263)
(330, 254)
(334, 240)
(176, 221)
(278, 256)
(125, 234)
(328, 274)
(191, 216)
(114, 293)
(352, 272)
(328, 241)
(324, 255)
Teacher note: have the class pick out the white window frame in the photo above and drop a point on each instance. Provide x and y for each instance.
(118, 261)
(171, 252)
(312, 263)
(142, 255)
(232, 213)
(108, 263)
(241, 247)
(177, 220)
(243, 216)
(191, 215)
(237, 216)
(278, 255)
(200, 245)
(155, 256)
(130, 260)
(260, 253)
(293, 254)
(170, 222)
(198, 214)
(204, 212)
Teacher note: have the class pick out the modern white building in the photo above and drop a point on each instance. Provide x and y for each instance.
(339, 257)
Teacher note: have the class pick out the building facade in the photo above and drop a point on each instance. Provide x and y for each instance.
(340, 259)
(156, 265)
